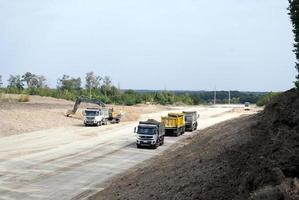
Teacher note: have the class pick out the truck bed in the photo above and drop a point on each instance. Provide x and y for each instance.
(173, 121)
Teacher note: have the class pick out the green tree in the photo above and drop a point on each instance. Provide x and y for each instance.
(264, 100)
(92, 81)
(34, 81)
(15, 82)
(27, 77)
(294, 15)
(107, 84)
(1, 83)
(69, 83)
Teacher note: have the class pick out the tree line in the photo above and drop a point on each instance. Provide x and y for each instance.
(102, 88)
(96, 86)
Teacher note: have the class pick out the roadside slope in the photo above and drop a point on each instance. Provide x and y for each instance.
(252, 157)
(196, 170)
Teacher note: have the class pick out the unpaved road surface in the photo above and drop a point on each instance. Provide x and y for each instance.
(45, 112)
(74, 162)
(252, 157)
(198, 170)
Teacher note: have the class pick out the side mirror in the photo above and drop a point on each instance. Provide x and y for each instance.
(83, 113)
(198, 116)
(135, 129)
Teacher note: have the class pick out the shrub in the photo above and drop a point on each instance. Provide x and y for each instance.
(262, 101)
(6, 97)
(23, 98)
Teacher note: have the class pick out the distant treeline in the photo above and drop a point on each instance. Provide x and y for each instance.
(204, 97)
(99, 87)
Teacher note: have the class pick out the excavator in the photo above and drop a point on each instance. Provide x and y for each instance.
(113, 116)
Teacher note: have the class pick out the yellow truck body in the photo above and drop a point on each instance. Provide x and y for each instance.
(173, 120)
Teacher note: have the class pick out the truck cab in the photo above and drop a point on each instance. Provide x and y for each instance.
(191, 120)
(94, 116)
(247, 106)
(149, 133)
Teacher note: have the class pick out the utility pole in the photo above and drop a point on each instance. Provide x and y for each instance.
(229, 97)
(215, 96)
(89, 92)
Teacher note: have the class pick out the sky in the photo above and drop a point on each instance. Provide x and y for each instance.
(151, 44)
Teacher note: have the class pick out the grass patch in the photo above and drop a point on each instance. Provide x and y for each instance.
(11, 98)
(23, 98)
(6, 98)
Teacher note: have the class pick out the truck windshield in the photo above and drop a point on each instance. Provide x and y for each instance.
(146, 131)
(188, 118)
(91, 113)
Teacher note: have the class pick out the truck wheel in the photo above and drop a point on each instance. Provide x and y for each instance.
(178, 132)
(162, 141)
(155, 146)
(183, 130)
(195, 126)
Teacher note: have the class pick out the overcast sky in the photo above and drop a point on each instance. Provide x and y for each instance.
(151, 44)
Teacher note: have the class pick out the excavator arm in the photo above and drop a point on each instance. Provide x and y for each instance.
(79, 100)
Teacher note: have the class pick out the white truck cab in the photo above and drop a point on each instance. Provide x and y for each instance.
(247, 106)
(149, 133)
(94, 116)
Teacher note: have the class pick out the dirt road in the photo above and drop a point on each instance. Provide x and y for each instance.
(75, 162)
(252, 157)
(45, 112)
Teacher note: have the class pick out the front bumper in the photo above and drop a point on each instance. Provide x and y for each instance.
(90, 122)
(146, 142)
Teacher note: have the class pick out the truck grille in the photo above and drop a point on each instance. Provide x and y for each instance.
(188, 125)
(146, 137)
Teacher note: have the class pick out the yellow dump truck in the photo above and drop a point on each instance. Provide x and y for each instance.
(174, 124)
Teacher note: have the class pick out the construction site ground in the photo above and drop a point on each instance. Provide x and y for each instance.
(252, 157)
(46, 112)
(45, 155)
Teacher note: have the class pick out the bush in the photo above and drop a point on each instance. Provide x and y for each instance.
(264, 100)
(6, 98)
(23, 98)
(129, 99)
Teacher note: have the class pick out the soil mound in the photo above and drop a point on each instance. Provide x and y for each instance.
(269, 164)
(253, 157)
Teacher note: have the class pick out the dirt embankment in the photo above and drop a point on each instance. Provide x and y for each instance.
(46, 112)
(253, 157)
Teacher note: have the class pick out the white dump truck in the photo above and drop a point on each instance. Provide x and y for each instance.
(95, 116)
(191, 118)
(247, 106)
(150, 133)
